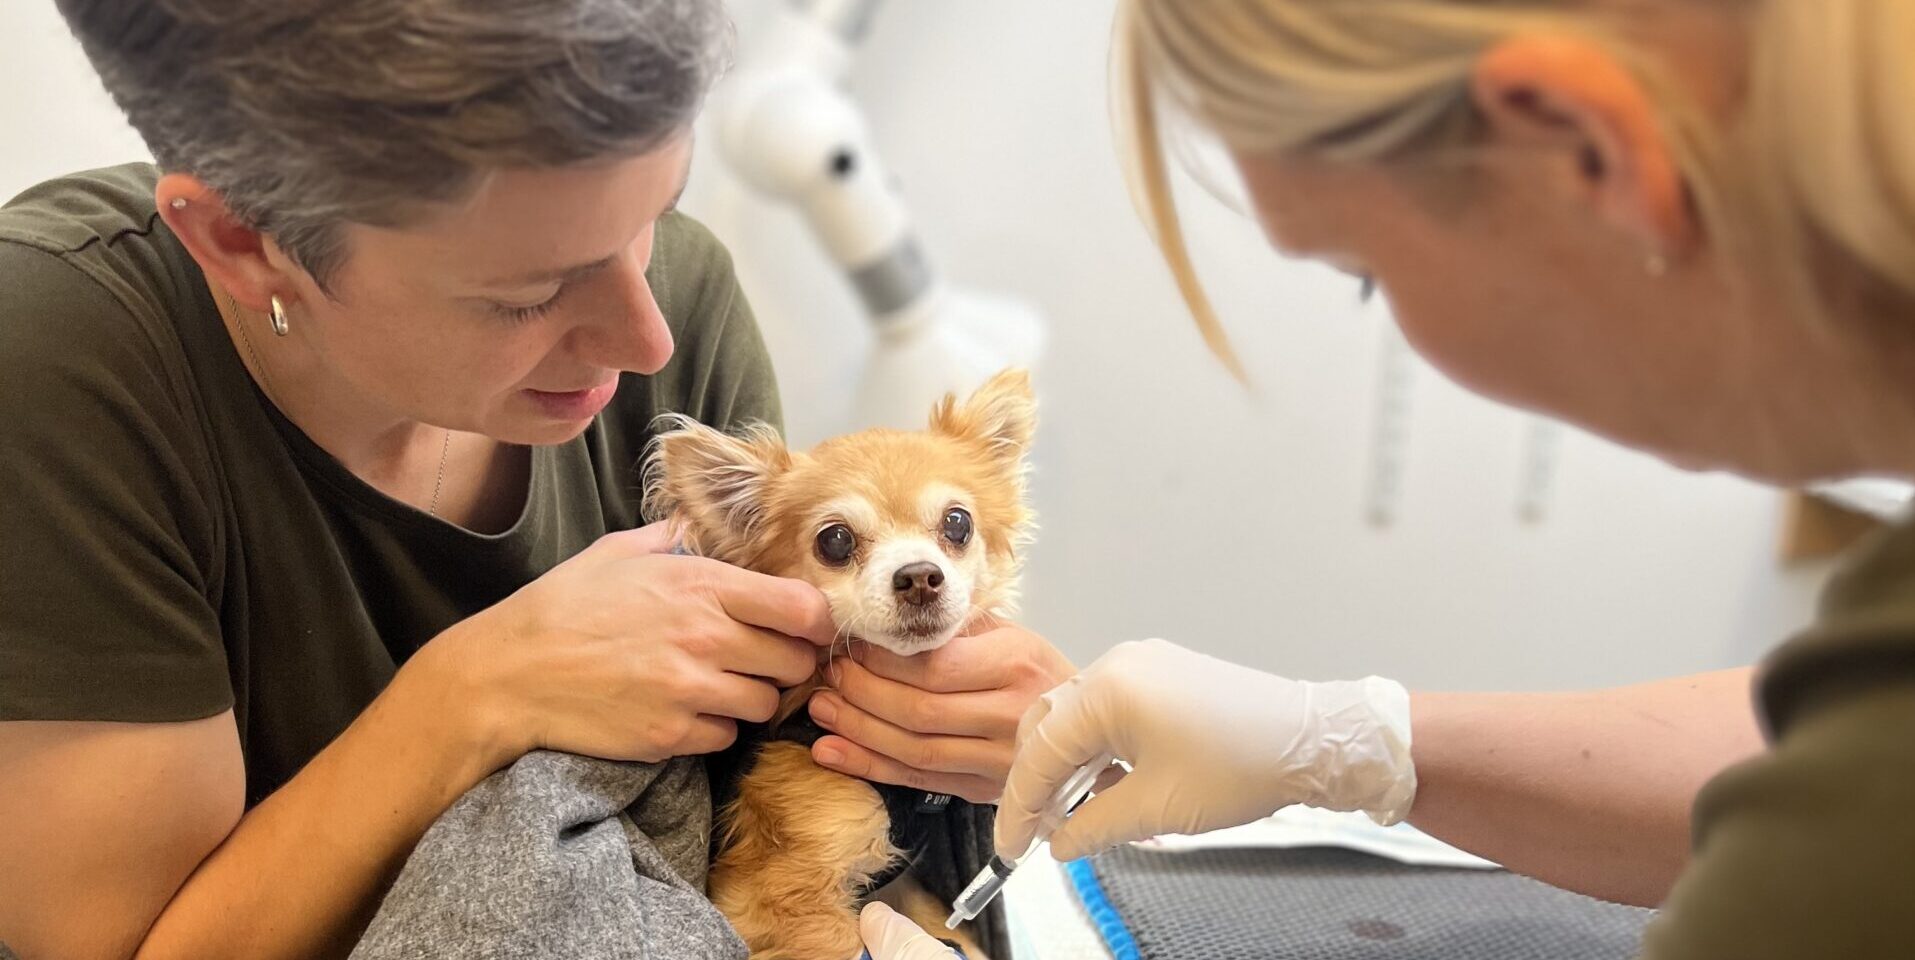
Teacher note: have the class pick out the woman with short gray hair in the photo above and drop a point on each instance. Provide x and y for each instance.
(320, 501)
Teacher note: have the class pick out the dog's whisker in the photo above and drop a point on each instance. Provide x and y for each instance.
(844, 633)
(850, 633)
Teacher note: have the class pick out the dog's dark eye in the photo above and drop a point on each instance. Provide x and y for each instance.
(957, 526)
(836, 543)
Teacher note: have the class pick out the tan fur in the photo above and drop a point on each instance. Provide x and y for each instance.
(800, 841)
(793, 700)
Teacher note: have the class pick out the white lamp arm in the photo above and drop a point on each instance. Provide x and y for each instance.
(791, 132)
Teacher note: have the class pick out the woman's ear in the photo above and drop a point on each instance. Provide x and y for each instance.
(1570, 94)
(235, 257)
(712, 485)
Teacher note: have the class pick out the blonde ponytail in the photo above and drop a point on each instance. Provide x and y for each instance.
(1150, 179)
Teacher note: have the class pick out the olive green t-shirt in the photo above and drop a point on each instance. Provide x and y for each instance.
(171, 546)
(1808, 851)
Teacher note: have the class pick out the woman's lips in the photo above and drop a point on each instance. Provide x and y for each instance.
(574, 404)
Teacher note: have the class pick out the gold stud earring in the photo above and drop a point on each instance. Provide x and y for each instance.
(280, 326)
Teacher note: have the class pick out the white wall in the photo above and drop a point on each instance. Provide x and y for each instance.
(1173, 503)
(54, 118)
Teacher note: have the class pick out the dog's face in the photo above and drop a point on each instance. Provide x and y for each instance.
(909, 535)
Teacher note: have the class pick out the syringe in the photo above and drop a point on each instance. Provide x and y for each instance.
(989, 881)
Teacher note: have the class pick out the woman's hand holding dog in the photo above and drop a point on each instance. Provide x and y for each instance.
(943, 721)
(629, 653)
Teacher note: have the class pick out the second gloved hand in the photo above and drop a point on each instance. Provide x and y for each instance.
(889, 935)
(1210, 745)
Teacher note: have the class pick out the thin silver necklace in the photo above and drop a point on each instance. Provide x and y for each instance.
(445, 449)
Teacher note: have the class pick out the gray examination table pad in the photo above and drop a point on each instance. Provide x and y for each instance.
(1334, 904)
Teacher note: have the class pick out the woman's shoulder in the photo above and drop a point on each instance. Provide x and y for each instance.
(109, 489)
(85, 256)
(688, 246)
(1863, 634)
(1803, 851)
(88, 296)
(691, 275)
(71, 213)
(721, 371)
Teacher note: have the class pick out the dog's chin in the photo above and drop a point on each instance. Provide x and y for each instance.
(909, 636)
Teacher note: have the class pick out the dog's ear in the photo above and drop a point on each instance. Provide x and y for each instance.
(712, 485)
(1002, 414)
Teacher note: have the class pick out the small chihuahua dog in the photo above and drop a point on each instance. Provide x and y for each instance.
(911, 536)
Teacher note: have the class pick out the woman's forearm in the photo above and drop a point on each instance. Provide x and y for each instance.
(302, 872)
(1587, 791)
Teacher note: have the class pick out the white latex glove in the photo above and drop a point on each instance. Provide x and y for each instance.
(888, 935)
(1210, 745)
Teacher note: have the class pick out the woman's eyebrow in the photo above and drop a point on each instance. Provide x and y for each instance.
(571, 273)
(560, 274)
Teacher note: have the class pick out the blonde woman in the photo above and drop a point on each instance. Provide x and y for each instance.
(1688, 225)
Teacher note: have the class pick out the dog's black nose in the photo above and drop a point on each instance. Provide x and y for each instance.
(917, 583)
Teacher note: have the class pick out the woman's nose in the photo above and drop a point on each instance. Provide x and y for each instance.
(632, 334)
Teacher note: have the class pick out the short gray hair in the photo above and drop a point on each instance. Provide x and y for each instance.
(309, 114)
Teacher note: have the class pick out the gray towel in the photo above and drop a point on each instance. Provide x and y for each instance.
(565, 857)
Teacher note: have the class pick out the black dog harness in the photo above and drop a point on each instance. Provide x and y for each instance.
(913, 812)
